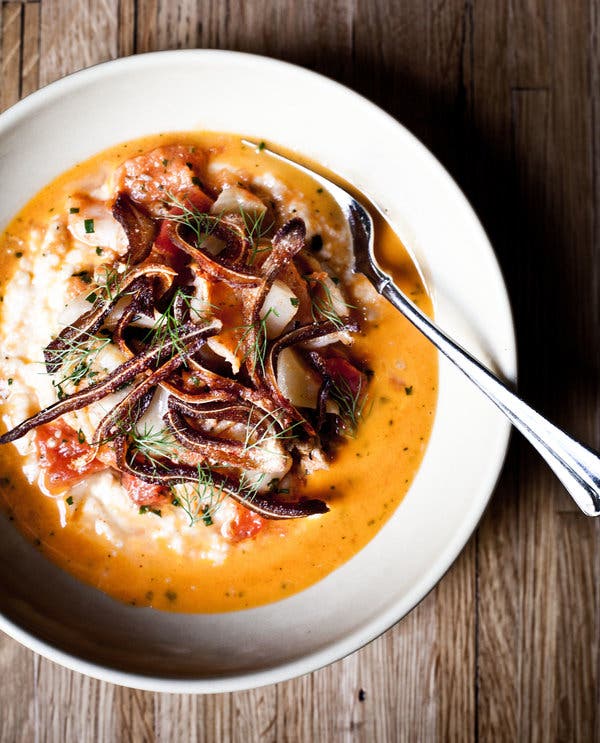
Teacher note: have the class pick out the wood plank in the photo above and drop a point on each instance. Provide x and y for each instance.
(76, 34)
(146, 25)
(576, 663)
(575, 358)
(253, 715)
(30, 62)
(134, 713)
(72, 707)
(455, 600)
(126, 27)
(530, 43)
(498, 612)
(10, 71)
(17, 691)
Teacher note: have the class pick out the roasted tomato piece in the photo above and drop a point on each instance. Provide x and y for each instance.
(340, 369)
(176, 258)
(64, 456)
(242, 525)
(150, 179)
(144, 493)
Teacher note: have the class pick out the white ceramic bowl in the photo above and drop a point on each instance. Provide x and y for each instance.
(85, 630)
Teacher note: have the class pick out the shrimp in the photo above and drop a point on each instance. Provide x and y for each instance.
(162, 175)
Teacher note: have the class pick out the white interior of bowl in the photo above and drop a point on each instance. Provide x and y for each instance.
(79, 627)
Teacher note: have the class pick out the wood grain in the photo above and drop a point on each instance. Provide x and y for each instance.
(507, 94)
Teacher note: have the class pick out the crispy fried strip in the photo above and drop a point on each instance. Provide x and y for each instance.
(139, 305)
(88, 323)
(223, 268)
(212, 448)
(300, 335)
(287, 242)
(176, 474)
(140, 229)
(120, 376)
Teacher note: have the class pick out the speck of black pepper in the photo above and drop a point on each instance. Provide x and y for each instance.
(362, 695)
(171, 595)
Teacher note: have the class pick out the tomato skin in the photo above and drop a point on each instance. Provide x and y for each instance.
(144, 493)
(195, 197)
(340, 368)
(64, 459)
(173, 255)
(243, 525)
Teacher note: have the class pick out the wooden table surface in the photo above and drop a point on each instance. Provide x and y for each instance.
(507, 95)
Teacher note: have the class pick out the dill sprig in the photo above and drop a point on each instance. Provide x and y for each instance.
(201, 500)
(266, 430)
(109, 280)
(167, 326)
(201, 224)
(351, 403)
(323, 308)
(255, 230)
(258, 348)
(76, 359)
(155, 444)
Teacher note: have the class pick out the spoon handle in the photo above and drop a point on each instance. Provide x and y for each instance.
(575, 465)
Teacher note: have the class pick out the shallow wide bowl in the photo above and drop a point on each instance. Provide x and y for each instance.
(83, 629)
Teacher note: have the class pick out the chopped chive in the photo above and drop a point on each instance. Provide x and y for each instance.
(92, 297)
(294, 301)
(99, 250)
(81, 436)
(74, 210)
(261, 146)
(89, 225)
(70, 500)
(10, 380)
(408, 390)
(165, 162)
(84, 276)
(149, 509)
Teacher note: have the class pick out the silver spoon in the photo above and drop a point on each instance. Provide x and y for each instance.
(575, 465)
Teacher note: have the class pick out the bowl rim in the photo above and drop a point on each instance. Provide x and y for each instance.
(371, 629)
